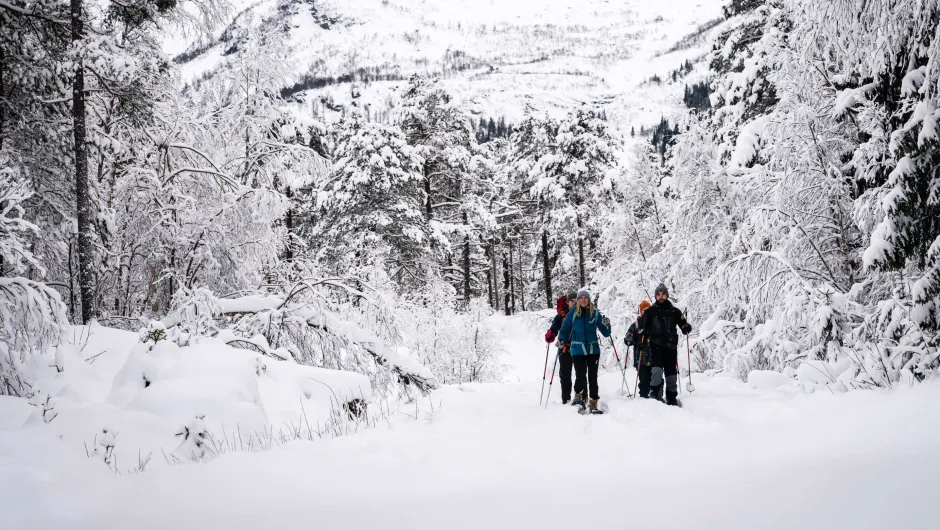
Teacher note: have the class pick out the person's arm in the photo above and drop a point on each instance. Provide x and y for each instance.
(603, 324)
(565, 334)
(630, 338)
(683, 323)
(553, 330)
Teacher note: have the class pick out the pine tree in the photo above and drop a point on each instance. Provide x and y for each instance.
(574, 178)
(370, 211)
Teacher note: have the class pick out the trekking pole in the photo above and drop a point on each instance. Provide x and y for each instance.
(678, 376)
(688, 351)
(544, 372)
(639, 363)
(550, 381)
(623, 372)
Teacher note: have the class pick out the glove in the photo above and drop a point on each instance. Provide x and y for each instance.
(686, 328)
(549, 336)
(628, 340)
(606, 322)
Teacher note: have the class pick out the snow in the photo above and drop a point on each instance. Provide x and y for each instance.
(736, 456)
(767, 380)
(553, 55)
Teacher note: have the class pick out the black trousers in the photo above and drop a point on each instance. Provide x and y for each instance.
(646, 374)
(564, 375)
(585, 369)
(664, 367)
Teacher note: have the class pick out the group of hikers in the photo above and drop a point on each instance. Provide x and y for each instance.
(653, 337)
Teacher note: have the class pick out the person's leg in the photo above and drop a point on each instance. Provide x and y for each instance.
(656, 383)
(580, 376)
(672, 379)
(646, 374)
(564, 376)
(593, 361)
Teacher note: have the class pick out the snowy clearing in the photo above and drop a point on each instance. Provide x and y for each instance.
(488, 455)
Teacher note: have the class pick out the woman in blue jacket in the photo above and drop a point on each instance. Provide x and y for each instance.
(579, 336)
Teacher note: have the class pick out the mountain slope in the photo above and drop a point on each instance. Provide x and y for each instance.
(497, 56)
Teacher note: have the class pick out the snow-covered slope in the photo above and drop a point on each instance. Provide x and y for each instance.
(497, 56)
(765, 455)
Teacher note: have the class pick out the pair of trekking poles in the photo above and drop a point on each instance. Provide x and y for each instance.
(548, 347)
(623, 371)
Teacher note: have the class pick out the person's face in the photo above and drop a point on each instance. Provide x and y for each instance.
(660, 297)
(571, 304)
(583, 301)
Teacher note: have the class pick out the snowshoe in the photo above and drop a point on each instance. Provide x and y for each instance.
(578, 401)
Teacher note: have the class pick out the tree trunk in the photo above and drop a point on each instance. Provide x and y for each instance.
(466, 265)
(494, 265)
(82, 199)
(427, 191)
(581, 254)
(2, 115)
(289, 223)
(521, 282)
(546, 270)
(512, 282)
(506, 287)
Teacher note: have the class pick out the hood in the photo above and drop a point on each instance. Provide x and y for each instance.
(562, 305)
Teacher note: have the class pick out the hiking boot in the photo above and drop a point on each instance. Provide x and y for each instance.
(672, 399)
(565, 400)
(578, 400)
(592, 405)
(656, 392)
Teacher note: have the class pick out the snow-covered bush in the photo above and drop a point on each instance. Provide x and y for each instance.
(458, 347)
(193, 440)
(32, 316)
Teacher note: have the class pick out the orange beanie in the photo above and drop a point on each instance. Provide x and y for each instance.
(644, 305)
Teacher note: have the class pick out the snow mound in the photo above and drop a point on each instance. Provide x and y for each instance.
(767, 380)
(124, 400)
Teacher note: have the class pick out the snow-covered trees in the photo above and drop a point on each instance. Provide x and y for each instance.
(32, 316)
(813, 238)
(370, 211)
(567, 167)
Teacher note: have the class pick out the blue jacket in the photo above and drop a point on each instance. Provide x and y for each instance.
(581, 332)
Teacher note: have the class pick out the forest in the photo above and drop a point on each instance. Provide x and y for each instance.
(806, 164)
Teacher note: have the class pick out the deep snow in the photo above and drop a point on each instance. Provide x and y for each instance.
(759, 455)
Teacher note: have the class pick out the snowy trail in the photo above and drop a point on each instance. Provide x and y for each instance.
(489, 456)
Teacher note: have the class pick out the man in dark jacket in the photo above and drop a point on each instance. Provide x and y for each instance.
(633, 338)
(658, 326)
(562, 307)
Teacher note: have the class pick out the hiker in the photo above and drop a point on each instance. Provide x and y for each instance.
(633, 338)
(658, 328)
(579, 337)
(562, 307)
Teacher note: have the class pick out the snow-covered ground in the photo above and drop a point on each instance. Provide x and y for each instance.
(765, 455)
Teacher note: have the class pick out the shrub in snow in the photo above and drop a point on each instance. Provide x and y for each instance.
(194, 439)
(45, 407)
(103, 447)
(154, 332)
(32, 316)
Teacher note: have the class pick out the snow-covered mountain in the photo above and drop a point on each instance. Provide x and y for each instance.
(499, 57)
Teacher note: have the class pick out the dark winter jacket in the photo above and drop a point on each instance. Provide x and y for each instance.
(580, 333)
(658, 327)
(561, 309)
(633, 338)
